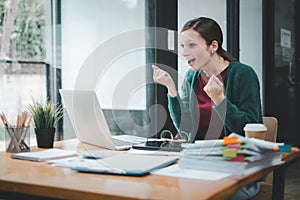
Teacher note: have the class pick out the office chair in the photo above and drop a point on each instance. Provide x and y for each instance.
(265, 192)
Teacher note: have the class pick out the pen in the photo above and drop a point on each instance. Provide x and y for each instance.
(285, 148)
(4, 120)
(232, 140)
(18, 132)
(221, 152)
(239, 158)
(236, 146)
(219, 142)
(231, 153)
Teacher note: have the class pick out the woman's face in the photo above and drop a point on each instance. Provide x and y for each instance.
(194, 49)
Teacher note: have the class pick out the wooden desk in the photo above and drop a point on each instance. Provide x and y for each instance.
(39, 178)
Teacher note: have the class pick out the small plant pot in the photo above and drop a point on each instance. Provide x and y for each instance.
(45, 137)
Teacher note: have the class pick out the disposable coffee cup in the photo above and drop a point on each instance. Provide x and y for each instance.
(257, 131)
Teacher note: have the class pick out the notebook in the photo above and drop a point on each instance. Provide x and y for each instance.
(126, 164)
(44, 155)
(89, 123)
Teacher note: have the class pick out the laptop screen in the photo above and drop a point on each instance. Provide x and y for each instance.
(87, 117)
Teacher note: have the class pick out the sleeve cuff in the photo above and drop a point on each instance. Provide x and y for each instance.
(221, 109)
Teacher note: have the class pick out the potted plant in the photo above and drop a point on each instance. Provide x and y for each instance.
(45, 117)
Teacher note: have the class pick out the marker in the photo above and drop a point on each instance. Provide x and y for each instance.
(236, 146)
(233, 152)
(230, 153)
(285, 148)
(231, 140)
(239, 158)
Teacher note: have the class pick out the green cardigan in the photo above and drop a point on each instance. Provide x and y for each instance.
(242, 104)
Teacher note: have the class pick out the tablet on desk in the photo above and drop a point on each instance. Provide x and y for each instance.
(159, 146)
(128, 164)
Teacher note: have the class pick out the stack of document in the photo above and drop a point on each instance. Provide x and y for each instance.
(234, 154)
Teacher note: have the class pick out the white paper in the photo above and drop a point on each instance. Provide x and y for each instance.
(73, 162)
(285, 38)
(176, 171)
(44, 155)
(149, 152)
(100, 153)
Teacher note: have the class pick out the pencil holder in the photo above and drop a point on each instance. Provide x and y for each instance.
(17, 138)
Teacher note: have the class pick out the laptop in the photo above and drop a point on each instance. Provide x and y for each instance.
(89, 123)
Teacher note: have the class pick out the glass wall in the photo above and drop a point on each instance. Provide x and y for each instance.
(87, 27)
(251, 36)
(102, 47)
(103, 50)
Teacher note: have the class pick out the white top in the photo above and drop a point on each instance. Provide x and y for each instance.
(255, 127)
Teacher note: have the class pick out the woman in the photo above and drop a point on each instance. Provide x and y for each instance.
(219, 94)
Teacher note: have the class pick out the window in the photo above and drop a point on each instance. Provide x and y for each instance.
(22, 56)
(103, 50)
(251, 35)
(100, 45)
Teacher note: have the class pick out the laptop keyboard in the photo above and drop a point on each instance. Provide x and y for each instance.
(122, 142)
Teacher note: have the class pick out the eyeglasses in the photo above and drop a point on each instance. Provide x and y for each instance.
(168, 142)
(181, 136)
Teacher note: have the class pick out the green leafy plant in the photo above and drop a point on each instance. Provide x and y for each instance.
(45, 115)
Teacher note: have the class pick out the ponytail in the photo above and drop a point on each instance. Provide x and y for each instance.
(226, 55)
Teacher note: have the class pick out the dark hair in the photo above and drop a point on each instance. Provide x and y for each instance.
(210, 31)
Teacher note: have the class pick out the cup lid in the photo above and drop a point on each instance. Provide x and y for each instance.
(255, 127)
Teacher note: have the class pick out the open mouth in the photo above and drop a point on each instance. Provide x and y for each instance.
(191, 61)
